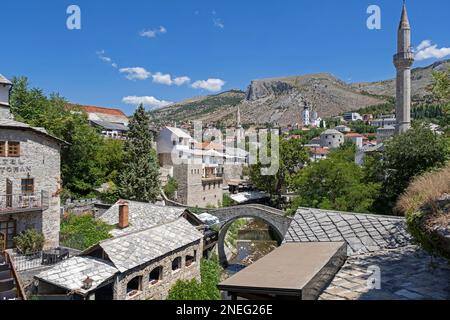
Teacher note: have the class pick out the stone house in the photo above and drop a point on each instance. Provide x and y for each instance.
(152, 247)
(29, 178)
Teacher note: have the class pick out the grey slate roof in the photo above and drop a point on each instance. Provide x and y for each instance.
(141, 216)
(407, 273)
(3, 80)
(132, 250)
(71, 273)
(9, 123)
(363, 233)
(110, 125)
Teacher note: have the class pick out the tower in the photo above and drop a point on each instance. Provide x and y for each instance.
(238, 118)
(403, 61)
(5, 88)
(306, 116)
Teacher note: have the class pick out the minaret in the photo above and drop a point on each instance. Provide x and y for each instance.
(238, 118)
(403, 61)
(306, 116)
(5, 89)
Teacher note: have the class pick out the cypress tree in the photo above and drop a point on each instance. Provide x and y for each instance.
(139, 180)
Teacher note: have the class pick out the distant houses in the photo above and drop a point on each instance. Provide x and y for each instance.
(112, 123)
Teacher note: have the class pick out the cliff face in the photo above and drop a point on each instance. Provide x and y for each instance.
(421, 80)
(281, 100)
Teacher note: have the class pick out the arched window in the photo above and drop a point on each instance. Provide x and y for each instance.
(134, 287)
(176, 264)
(156, 275)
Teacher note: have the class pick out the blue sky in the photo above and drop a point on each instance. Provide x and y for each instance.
(221, 40)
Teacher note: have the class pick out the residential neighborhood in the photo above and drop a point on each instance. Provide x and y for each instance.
(341, 193)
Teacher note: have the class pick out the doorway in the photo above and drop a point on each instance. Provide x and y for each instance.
(8, 230)
(9, 193)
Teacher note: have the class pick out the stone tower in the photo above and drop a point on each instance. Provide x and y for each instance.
(403, 61)
(306, 116)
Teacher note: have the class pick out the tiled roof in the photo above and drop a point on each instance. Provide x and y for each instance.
(363, 233)
(407, 273)
(110, 125)
(3, 80)
(94, 109)
(71, 273)
(179, 133)
(9, 123)
(319, 151)
(141, 216)
(132, 250)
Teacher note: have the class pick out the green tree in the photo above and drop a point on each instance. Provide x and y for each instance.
(170, 188)
(407, 156)
(140, 176)
(292, 157)
(204, 290)
(335, 184)
(441, 85)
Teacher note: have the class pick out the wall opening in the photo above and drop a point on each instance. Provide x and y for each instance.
(156, 275)
(176, 264)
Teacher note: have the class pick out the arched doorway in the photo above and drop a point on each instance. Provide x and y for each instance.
(277, 235)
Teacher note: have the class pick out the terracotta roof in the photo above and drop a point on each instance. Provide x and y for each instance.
(94, 109)
(209, 146)
(319, 151)
(355, 135)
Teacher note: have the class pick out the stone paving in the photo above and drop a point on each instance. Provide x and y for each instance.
(406, 273)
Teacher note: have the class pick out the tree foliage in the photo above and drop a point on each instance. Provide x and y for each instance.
(139, 179)
(82, 232)
(195, 290)
(292, 157)
(89, 160)
(336, 183)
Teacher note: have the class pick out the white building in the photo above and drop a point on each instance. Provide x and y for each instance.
(352, 116)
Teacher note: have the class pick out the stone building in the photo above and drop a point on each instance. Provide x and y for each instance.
(30, 179)
(331, 139)
(152, 247)
(198, 186)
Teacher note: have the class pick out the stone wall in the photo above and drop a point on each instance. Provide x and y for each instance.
(39, 159)
(160, 290)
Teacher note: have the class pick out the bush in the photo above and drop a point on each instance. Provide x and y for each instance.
(170, 188)
(30, 241)
(193, 290)
(82, 232)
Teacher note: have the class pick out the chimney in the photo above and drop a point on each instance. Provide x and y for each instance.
(123, 214)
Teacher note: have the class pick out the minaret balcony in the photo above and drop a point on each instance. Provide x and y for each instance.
(404, 59)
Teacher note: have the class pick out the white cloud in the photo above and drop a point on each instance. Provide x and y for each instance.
(181, 81)
(102, 56)
(213, 85)
(136, 73)
(219, 23)
(427, 50)
(162, 78)
(153, 33)
(147, 101)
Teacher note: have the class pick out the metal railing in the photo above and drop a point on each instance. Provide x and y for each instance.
(10, 203)
(39, 259)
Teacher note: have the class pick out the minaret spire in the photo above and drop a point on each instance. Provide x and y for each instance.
(238, 118)
(403, 61)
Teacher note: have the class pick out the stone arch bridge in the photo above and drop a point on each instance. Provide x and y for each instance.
(276, 219)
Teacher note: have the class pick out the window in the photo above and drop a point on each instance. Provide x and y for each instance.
(27, 186)
(156, 275)
(174, 142)
(2, 149)
(190, 260)
(8, 231)
(134, 287)
(13, 149)
(176, 264)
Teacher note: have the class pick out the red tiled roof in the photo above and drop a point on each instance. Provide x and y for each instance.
(355, 135)
(319, 151)
(94, 109)
(209, 146)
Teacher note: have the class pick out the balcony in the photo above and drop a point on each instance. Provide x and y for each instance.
(18, 203)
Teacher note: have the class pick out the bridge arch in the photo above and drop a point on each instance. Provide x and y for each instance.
(276, 219)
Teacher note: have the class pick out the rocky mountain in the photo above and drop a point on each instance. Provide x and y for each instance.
(421, 81)
(281, 100)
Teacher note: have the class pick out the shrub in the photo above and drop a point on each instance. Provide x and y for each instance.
(82, 232)
(170, 188)
(194, 290)
(30, 241)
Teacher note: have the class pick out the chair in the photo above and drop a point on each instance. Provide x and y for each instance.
(5, 267)
(5, 275)
(7, 285)
(8, 295)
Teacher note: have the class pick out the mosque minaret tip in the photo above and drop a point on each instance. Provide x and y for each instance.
(403, 61)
